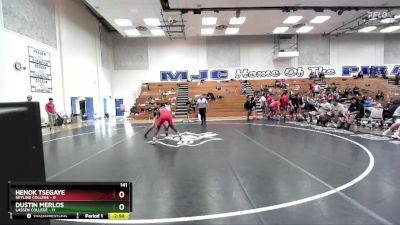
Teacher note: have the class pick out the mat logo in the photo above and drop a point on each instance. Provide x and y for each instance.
(188, 139)
(183, 75)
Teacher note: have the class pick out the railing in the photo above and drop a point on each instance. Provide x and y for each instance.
(136, 93)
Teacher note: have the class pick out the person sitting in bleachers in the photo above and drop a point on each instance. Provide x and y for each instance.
(317, 89)
(338, 112)
(379, 95)
(191, 103)
(322, 115)
(210, 96)
(356, 91)
(368, 103)
(312, 75)
(356, 110)
(389, 109)
(322, 75)
(133, 111)
(308, 107)
(348, 91)
(360, 75)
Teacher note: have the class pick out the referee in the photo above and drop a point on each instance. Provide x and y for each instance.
(202, 104)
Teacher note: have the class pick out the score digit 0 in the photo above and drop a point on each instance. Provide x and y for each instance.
(121, 194)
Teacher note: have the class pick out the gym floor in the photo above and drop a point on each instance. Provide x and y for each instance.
(235, 172)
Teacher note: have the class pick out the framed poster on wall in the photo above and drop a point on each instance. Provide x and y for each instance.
(40, 71)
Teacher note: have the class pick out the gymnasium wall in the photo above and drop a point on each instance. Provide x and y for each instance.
(16, 85)
(250, 52)
(77, 67)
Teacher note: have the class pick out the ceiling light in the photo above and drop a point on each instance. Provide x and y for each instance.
(304, 29)
(390, 29)
(157, 32)
(123, 22)
(279, 30)
(288, 54)
(207, 31)
(388, 20)
(209, 20)
(367, 29)
(320, 19)
(293, 19)
(132, 32)
(232, 30)
(237, 20)
(152, 21)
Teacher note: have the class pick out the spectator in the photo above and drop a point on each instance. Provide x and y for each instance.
(356, 91)
(395, 125)
(312, 86)
(397, 79)
(317, 89)
(384, 74)
(284, 104)
(284, 84)
(323, 108)
(202, 105)
(380, 95)
(308, 108)
(51, 113)
(294, 102)
(274, 107)
(312, 75)
(133, 111)
(329, 97)
(210, 96)
(29, 98)
(390, 109)
(360, 75)
(338, 113)
(263, 104)
(356, 110)
(368, 104)
(322, 75)
(372, 72)
(250, 105)
(348, 91)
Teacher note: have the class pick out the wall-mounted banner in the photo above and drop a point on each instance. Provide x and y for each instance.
(289, 72)
(225, 74)
(370, 70)
(40, 71)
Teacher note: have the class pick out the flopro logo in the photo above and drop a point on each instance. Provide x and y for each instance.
(188, 139)
(183, 75)
(378, 15)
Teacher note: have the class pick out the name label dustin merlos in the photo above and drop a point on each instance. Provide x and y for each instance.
(37, 206)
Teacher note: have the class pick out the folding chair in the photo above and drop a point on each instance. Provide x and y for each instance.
(375, 119)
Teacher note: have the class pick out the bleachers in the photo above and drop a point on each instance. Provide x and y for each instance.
(232, 102)
(155, 90)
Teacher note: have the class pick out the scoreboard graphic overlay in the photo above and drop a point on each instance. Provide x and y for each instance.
(59, 200)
